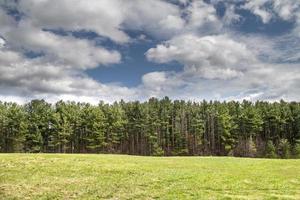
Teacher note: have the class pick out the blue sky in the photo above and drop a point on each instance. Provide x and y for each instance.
(91, 50)
(133, 66)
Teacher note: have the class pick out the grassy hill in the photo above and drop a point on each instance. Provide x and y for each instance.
(58, 176)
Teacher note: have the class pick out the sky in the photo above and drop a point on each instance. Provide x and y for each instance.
(92, 50)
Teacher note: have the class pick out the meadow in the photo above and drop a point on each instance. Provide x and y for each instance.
(104, 176)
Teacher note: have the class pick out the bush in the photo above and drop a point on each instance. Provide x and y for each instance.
(270, 151)
(157, 150)
(296, 150)
(284, 148)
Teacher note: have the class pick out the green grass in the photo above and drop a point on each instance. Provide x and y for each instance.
(58, 176)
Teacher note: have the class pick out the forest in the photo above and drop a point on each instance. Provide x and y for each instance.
(157, 127)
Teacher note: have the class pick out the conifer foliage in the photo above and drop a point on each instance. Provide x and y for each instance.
(156, 127)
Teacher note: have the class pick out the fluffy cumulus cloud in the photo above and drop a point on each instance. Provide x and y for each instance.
(236, 66)
(36, 62)
(41, 79)
(58, 69)
(106, 18)
(41, 56)
(67, 50)
(216, 56)
(261, 82)
(80, 15)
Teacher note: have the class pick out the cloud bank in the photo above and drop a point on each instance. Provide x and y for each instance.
(41, 56)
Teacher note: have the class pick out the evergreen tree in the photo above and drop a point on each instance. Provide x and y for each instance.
(226, 127)
(296, 150)
(284, 148)
(154, 127)
(270, 151)
(13, 127)
(39, 114)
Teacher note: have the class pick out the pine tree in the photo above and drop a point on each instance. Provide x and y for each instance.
(197, 130)
(62, 127)
(284, 148)
(39, 114)
(93, 123)
(153, 124)
(270, 150)
(12, 127)
(155, 127)
(296, 150)
(226, 127)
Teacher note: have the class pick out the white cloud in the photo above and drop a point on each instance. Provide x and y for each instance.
(36, 79)
(262, 82)
(2, 43)
(286, 9)
(217, 63)
(103, 17)
(58, 73)
(107, 18)
(158, 18)
(277, 49)
(159, 84)
(257, 7)
(201, 14)
(230, 15)
(5, 21)
(208, 56)
(64, 49)
(172, 23)
(164, 20)
(218, 67)
(268, 9)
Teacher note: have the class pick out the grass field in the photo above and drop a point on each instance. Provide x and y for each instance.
(57, 176)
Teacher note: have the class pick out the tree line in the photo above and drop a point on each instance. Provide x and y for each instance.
(159, 127)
